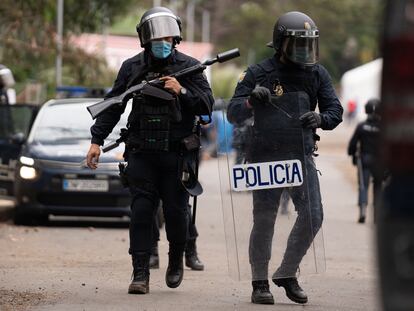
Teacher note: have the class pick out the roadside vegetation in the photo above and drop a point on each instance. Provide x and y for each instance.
(349, 30)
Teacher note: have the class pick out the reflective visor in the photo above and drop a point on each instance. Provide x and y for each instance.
(302, 48)
(159, 27)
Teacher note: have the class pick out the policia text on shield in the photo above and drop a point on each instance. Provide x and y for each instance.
(267, 175)
(280, 94)
(162, 142)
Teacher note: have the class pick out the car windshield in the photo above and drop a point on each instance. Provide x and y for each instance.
(68, 123)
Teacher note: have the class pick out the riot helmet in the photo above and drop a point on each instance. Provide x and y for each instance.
(6, 77)
(372, 105)
(157, 23)
(295, 36)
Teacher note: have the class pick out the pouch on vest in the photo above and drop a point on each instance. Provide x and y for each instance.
(149, 121)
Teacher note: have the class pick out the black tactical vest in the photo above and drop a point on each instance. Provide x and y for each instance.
(276, 76)
(277, 130)
(153, 110)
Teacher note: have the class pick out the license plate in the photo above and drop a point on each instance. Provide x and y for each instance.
(85, 185)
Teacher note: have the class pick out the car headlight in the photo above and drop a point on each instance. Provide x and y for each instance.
(27, 172)
(26, 161)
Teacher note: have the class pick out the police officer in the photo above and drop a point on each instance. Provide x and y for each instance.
(293, 68)
(161, 142)
(363, 149)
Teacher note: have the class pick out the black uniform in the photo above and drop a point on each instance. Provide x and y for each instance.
(316, 83)
(157, 175)
(363, 147)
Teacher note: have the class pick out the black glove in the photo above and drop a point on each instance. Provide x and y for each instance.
(311, 120)
(259, 96)
(354, 159)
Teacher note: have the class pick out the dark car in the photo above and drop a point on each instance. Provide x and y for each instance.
(15, 123)
(51, 177)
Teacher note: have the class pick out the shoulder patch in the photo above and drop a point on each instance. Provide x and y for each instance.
(241, 77)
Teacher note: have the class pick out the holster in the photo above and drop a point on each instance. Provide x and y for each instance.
(192, 142)
(189, 178)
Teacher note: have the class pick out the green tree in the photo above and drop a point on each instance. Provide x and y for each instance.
(28, 39)
(349, 30)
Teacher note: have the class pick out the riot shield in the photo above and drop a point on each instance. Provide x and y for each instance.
(270, 161)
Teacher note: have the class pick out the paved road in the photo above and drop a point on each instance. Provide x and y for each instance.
(63, 267)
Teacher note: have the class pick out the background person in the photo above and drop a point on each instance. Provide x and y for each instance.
(363, 149)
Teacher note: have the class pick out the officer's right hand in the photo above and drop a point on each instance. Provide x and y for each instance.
(259, 96)
(92, 158)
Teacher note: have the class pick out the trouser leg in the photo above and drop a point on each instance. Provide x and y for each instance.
(284, 201)
(363, 192)
(308, 204)
(154, 262)
(175, 200)
(144, 204)
(141, 224)
(265, 205)
(175, 213)
(156, 226)
(142, 180)
(363, 185)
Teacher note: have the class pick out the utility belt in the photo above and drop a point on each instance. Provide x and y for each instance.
(188, 166)
(158, 141)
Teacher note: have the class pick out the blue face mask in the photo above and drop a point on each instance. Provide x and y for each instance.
(161, 49)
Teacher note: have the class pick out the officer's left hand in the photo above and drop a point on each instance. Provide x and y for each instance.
(311, 120)
(171, 84)
(354, 159)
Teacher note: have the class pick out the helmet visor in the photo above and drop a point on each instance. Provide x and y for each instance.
(302, 50)
(159, 27)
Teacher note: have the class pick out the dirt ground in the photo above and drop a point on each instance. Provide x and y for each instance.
(84, 265)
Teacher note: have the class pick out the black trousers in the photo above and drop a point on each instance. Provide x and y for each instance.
(155, 176)
(192, 232)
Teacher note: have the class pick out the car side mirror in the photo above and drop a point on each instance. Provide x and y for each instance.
(18, 138)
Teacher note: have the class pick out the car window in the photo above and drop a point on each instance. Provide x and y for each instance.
(69, 123)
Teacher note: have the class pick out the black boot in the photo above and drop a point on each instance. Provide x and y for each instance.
(191, 258)
(154, 261)
(175, 269)
(293, 291)
(261, 293)
(362, 213)
(140, 275)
